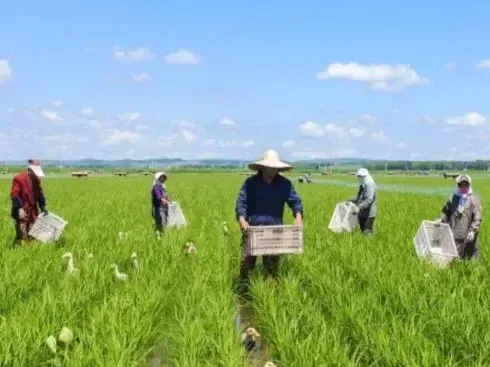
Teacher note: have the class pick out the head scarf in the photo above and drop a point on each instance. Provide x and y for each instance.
(463, 196)
(156, 177)
(364, 176)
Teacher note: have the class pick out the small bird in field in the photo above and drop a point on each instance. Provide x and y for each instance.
(225, 228)
(70, 267)
(134, 260)
(249, 338)
(119, 275)
(190, 248)
(270, 364)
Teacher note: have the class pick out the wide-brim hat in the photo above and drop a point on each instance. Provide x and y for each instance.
(270, 159)
(35, 167)
(160, 174)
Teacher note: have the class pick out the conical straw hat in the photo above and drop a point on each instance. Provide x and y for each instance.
(270, 158)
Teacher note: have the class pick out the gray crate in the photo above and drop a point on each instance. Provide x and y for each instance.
(274, 240)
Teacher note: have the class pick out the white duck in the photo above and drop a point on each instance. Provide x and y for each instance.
(70, 268)
(270, 364)
(190, 248)
(134, 260)
(249, 338)
(118, 275)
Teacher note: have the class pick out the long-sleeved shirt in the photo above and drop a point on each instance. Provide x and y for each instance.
(366, 200)
(158, 192)
(262, 203)
(27, 194)
(461, 223)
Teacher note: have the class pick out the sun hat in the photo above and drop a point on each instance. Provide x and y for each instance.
(35, 167)
(270, 159)
(160, 174)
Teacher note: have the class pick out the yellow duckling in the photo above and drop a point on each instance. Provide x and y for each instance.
(118, 275)
(70, 267)
(270, 364)
(134, 260)
(190, 248)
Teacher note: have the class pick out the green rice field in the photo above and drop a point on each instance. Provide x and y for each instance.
(348, 300)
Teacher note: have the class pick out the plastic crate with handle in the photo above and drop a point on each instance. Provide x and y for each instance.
(48, 228)
(274, 240)
(435, 243)
(176, 216)
(344, 218)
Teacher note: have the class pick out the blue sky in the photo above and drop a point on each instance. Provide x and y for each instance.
(221, 79)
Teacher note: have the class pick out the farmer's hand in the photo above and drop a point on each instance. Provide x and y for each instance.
(243, 224)
(471, 236)
(438, 221)
(355, 210)
(22, 214)
(298, 221)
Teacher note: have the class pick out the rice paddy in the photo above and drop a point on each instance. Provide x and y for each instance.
(348, 300)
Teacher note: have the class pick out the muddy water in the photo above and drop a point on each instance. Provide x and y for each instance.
(259, 355)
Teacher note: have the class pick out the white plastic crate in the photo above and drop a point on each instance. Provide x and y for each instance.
(176, 216)
(344, 219)
(48, 228)
(274, 240)
(435, 243)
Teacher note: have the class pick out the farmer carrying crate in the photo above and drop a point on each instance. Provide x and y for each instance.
(365, 201)
(261, 202)
(26, 194)
(463, 212)
(159, 202)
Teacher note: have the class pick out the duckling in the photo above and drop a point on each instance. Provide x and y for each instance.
(270, 364)
(88, 254)
(118, 275)
(135, 262)
(66, 335)
(190, 248)
(225, 228)
(51, 343)
(70, 268)
(248, 338)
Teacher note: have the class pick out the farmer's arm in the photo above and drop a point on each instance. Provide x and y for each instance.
(476, 215)
(42, 200)
(241, 203)
(446, 210)
(366, 203)
(15, 195)
(294, 202)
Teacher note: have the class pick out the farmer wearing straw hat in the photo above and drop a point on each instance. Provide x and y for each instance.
(160, 201)
(365, 201)
(463, 212)
(26, 194)
(261, 202)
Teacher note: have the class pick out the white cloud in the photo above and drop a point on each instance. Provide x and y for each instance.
(247, 144)
(369, 118)
(227, 122)
(484, 64)
(142, 127)
(139, 54)
(51, 115)
(379, 135)
(94, 123)
(312, 154)
(182, 57)
(470, 119)
(400, 145)
(57, 103)
(117, 136)
(130, 116)
(188, 136)
(310, 128)
(288, 143)
(356, 132)
(335, 129)
(183, 123)
(6, 72)
(140, 77)
(380, 76)
(88, 111)
(219, 143)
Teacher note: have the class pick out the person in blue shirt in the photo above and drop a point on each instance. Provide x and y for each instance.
(159, 202)
(261, 202)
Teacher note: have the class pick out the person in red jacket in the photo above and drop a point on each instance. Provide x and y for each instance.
(26, 195)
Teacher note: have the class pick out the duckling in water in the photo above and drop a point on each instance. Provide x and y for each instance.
(249, 338)
(70, 267)
(190, 248)
(134, 260)
(118, 275)
(270, 364)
